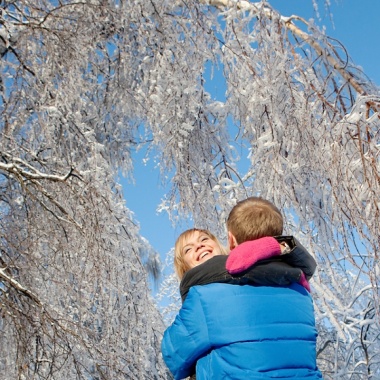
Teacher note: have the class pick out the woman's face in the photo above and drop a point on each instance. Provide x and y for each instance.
(198, 248)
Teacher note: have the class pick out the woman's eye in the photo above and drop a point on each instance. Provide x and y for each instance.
(205, 238)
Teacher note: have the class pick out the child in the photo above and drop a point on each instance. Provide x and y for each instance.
(240, 332)
(269, 264)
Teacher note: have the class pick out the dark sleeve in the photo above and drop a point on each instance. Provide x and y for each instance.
(213, 270)
(270, 272)
(298, 257)
(266, 272)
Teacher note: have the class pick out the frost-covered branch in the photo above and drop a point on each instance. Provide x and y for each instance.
(85, 84)
(32, 173)
(258, 9)
(18, 287)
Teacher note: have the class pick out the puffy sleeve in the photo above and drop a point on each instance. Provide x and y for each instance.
(300, 258)
(186, 340)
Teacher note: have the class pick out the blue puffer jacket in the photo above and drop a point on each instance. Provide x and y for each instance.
(243, 332)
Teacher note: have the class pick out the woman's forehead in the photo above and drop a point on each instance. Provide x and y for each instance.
(190, 237)
(193, 236)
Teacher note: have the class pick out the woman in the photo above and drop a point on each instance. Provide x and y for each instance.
(225, 331)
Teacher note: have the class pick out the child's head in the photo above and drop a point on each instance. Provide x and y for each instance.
(252, 219)
(193, 247)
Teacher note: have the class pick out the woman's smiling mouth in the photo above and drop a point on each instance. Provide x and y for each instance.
(203, 254)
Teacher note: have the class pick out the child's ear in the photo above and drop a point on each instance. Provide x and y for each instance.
(231, 240)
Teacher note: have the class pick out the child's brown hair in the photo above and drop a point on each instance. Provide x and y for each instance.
(254, 218)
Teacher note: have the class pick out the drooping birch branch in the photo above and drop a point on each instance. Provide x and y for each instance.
(24, 171)
(258, 8)
(18, 287)
(33, 173)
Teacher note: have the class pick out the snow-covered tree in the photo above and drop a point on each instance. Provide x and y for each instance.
(84, 83)
(74, 297)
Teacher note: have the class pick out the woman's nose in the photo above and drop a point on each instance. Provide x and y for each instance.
(199, 245)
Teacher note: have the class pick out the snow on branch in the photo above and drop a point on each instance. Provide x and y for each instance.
(18, 287)
(258, 9)
(32, 173)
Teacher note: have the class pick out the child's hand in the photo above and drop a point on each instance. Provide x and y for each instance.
(249, 253)
(303, 281)
(285, 249)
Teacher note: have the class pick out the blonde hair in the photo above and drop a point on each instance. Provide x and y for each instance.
(254, 218)
(179, 264)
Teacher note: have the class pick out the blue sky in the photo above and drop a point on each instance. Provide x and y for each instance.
(355, 24)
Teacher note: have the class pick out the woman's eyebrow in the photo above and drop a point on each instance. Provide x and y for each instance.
(187, 245)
